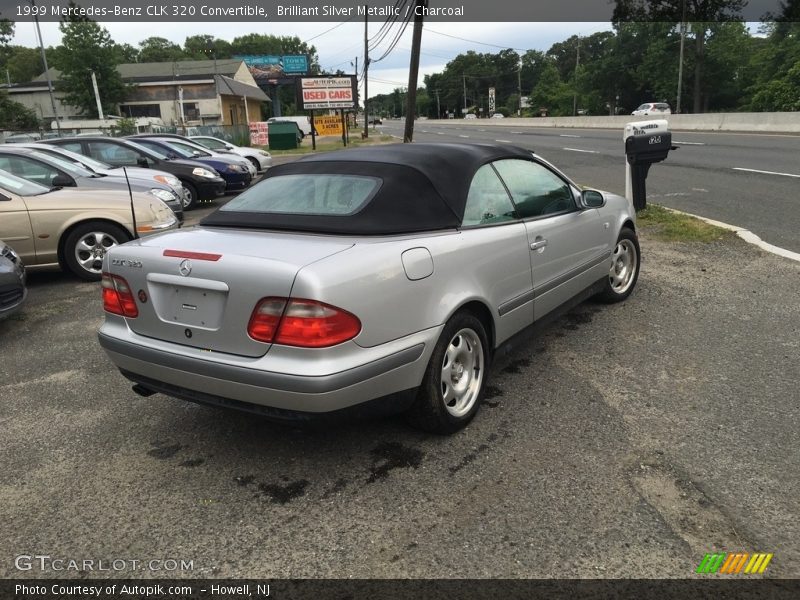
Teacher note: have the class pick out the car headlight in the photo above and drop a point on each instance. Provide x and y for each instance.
(263, 153)
(8, 252)
(164, 195)
(160, 218)
(168, 180)
(204, 173)
(236, 168)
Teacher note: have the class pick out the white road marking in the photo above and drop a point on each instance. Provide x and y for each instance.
(517, 133)
(481, 130)
(690, 143)
(765, 172)
(579, 150)
(463, 136)
(747, 235)
(568, 135)
(439, 133)
(700, 190)
(503, 141)
(425, 131)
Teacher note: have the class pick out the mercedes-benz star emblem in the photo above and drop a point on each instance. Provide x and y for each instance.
(185, 267)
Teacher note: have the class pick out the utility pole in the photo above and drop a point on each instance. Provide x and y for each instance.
(413, 72)
(519, 87)
(97, 96)
(438, 106)
(366, 69)
(464, 78)
(575, 78)
(680, 60)
(46, 69)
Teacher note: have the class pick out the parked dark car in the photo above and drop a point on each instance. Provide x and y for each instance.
(50, 170)
(12, 281)
(200, 181)
(237, 176)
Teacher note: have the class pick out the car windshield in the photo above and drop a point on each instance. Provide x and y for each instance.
(159, 146)
(19, 186)
(154, 151)
(63, 163)
(188, 148)
(328, 195)
(643, 107)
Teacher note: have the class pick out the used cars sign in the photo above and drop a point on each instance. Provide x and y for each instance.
(326, 92)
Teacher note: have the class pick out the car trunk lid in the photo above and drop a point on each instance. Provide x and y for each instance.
(198, 287)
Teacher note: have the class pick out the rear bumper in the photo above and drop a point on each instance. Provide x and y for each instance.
(362, 376)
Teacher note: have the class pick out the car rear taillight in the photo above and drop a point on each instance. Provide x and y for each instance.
(265, 318)
(303, 323)
(117, 296)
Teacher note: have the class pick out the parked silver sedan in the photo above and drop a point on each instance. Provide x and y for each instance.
(381, 278)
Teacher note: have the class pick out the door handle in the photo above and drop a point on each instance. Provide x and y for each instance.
(538, 245)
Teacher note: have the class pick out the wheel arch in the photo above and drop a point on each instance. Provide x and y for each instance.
(483, 313)
(62, 240)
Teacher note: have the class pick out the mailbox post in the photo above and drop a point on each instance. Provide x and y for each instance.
(646, 142)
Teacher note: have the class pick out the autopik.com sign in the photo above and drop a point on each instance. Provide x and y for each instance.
(324, 93)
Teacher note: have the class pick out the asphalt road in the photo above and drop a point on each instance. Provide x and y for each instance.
(625, 441)
(701, 177)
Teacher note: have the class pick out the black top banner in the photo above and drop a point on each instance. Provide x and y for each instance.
(254, 11)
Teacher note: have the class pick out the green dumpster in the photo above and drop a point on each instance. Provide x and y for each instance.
(283, 135)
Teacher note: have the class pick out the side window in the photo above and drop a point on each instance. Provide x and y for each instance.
(536, 190)
(113, 154)
(72, 147)
(211, 143)
(487, 201)
(31, 170)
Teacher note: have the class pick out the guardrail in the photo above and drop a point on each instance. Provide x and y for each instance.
(774, 122)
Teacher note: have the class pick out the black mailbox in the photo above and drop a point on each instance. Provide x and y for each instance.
(648, 149)
(642, 150)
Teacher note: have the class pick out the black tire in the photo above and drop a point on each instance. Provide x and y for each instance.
(192, 199)
(430, 412)
(614, 290)
(85, 246)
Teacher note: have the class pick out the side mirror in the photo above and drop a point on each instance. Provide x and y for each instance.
(4, 198)
(142, 162)
(592, 199)
(196, 153)
(61, 181)
(228, 147)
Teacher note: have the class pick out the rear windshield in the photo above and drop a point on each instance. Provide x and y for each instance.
(324, 195)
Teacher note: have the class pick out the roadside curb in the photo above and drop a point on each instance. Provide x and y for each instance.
(747, 235)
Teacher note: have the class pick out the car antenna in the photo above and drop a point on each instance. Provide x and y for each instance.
(130, 194)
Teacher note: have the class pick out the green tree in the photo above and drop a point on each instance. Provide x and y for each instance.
(200, 47)
(552, 93)
(14, 115)
(21, 63)
(88, 47)
(159, 49)
(699, 13)
(259, 43)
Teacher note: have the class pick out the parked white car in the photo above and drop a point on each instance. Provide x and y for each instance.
(303, 123)
(261, 159)
(652, 108)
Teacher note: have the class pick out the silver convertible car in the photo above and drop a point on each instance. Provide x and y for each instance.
(369, 278)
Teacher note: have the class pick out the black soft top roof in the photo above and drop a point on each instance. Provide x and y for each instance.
(424, 187)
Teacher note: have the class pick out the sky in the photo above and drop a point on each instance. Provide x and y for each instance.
(339, 47)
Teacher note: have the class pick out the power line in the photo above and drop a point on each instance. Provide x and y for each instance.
(329, 30)
(455, 37)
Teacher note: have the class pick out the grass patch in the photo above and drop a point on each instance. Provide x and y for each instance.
(331, 143)
(674, 227)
